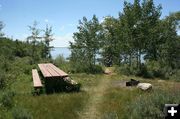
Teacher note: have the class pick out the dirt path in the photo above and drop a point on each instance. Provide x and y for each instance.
(91, 109)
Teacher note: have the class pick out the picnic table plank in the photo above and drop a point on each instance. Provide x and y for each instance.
(60, 72)
(36, 79)
(44, 70)
(51, 70)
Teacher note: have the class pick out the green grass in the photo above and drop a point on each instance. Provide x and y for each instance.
(122, 103)
(54, 106)
(116, 100)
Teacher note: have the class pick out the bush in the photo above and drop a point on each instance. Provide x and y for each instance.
(78, 67)
(61, 62)
(21, 65)
(144, 72)
(21, 113)
(2, 80)
(96, 69)
(176, 76)
(157, 70)
(124, 69)
(7, 99)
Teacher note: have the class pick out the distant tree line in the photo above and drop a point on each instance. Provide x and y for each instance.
(137, 39)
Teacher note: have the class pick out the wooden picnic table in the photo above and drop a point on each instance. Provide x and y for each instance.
(51, 71)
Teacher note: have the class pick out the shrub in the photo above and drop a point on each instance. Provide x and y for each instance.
(96, 69)
(144, 72)
(158, 70)
(124, 69)
(7, 99)
(85, 68)
(21, 113)
(61, 62)
(21, 65)
(2, 80)
(153, 65)
(176, 75)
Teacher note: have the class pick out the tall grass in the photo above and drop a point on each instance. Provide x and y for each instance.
(55, 106)
(122, 102)
(152, 105)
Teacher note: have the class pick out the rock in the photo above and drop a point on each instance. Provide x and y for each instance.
(107, 71)
(144, 86)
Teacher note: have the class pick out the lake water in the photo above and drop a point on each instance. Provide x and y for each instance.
(65, 51)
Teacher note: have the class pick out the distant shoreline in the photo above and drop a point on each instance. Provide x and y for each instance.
(56, 51)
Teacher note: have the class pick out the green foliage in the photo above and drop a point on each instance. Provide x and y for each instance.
(137, 32)
(151, 69)
(39, 49)
(7, 99)
(47, 39)
(111, 38)
(95, 69)
(21, 65)
(62, 63)
(21, 113)
(123, 69)
(176, 75)
(1, 27)
(87, 43)
(2, 80)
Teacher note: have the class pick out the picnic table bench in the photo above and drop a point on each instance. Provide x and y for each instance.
(36, 81)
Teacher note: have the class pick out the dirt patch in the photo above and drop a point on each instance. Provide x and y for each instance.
(119, 83)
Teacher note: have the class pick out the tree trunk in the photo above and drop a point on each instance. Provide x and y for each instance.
(139, 59)
(130, 60)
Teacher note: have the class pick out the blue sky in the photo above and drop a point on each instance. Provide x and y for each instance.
(63, 15)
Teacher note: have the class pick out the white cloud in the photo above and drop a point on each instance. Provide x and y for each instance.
(62, 41)
(46, 20)
(62, 28)
(102, 20)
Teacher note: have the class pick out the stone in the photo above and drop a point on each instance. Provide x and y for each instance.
(144, 86)
(107, 71)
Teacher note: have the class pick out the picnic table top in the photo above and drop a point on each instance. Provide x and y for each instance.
(50, 70)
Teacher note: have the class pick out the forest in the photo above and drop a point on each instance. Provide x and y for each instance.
(139, 43)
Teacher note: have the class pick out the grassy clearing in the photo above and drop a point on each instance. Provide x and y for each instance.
(54, 106)
(101, 96)
(121, 102)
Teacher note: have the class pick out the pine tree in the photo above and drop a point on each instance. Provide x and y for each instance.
(48, 37)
